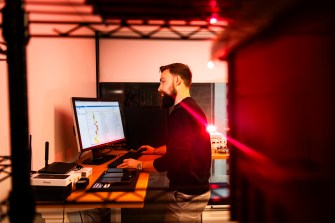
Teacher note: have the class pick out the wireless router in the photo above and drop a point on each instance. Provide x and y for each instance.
(55, 167)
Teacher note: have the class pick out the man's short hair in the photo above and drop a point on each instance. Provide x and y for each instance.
(179, 69)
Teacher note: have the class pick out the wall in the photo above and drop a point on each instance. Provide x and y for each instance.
(4, 121)
(4, 134)
(57, 70)
(139, 60)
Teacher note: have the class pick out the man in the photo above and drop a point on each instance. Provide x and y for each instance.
(187, 155)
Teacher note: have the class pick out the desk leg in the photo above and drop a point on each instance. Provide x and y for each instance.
(54, 216)
(212, 170)
(116, 215)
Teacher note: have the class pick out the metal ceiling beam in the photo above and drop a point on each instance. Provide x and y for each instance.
(125, 19)
(130, 30)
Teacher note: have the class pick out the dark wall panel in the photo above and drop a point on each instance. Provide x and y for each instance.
(144, 120)
(146, 94)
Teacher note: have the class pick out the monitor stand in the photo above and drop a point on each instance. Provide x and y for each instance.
(98, 158)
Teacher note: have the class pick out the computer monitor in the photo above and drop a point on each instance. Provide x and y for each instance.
(98, 124)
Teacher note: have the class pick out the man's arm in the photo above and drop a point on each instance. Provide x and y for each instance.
(160, 150)
(155, 151)
(147, 165)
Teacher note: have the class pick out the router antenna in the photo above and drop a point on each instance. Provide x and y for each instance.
(46, 153)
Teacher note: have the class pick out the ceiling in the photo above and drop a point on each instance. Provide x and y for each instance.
(146, 19)
(127, 19)
(187, 10)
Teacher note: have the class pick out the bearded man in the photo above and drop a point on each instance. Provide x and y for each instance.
(186, 157)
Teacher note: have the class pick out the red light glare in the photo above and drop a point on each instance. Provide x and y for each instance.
(213, 20)
(211, 128)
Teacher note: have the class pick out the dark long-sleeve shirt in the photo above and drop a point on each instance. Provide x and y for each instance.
(188, 154)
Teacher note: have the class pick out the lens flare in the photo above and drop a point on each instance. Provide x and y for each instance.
(211, 128)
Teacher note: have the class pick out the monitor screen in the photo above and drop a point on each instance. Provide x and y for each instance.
(98, 123)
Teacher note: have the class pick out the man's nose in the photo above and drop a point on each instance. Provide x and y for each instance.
(160, 91)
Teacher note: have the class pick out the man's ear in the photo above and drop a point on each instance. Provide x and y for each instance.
(178, 80)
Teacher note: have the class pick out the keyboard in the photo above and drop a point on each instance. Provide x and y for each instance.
(128, 155)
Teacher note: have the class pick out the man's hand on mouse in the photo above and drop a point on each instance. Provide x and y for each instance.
(146, 149)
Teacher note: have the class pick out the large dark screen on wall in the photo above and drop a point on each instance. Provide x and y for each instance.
(146, 94)
(144, 121)
(145, 125)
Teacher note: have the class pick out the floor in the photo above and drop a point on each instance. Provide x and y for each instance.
(216, 214)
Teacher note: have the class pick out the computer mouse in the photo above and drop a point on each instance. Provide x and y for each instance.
(140, 150)
(78, 167)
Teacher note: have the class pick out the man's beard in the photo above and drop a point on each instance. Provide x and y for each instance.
(168, 100)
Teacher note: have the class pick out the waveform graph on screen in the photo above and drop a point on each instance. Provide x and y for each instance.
(103, 125)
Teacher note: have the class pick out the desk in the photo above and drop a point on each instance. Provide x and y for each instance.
(219, 183)
(80, 200)
(217, 155)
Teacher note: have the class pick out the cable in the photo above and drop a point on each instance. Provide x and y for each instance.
(90, 217)
(63, 213)
(81, 218)
(80, 155)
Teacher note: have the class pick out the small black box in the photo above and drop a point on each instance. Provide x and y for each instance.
(82, 183)
(51, 193)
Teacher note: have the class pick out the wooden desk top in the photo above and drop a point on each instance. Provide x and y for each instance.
(216, 155)
(114, 199)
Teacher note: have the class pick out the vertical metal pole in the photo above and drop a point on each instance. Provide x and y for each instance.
(212, 121)
(15, 33)
(97, 63)
(233, 174)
